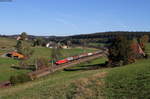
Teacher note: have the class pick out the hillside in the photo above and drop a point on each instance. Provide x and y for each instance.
(43, 86)
(80, 82)
(6, 44)
(8, 66)
(99, 35)
(61, 83)
(110, 34)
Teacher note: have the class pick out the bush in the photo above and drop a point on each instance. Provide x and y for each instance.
(41, 62)
(19, 79)
(23, 63)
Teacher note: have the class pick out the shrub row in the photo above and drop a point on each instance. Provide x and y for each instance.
(17, 79)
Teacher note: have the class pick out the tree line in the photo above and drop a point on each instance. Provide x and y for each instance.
(123, 50)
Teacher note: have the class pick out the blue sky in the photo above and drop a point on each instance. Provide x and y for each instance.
(69, 17)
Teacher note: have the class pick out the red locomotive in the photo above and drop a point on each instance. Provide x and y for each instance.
(61, 61)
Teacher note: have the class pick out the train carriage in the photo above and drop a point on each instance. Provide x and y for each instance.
(75, 57)
(89, 54)
(70, 58)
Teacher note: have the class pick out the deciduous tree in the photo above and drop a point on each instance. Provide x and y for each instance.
(120, 51)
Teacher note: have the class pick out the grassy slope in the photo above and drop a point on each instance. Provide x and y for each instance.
(42, 88)
(148, 48)
(6, 44)
(57, 84)
(5, 68)
(131, 81)
(47, 86)
(5, 63)
(46, 52)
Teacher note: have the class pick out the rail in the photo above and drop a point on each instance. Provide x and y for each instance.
(49, 70)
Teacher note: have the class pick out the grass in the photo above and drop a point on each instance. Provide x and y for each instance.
(97, 44)
(126, 82)
(129, 82)
(49, 86)
(5, 63)
(6, 44)
(87, 65)
(46, 52)
(148, 48)
(5, 68)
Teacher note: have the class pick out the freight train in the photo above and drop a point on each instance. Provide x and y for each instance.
(69, 59)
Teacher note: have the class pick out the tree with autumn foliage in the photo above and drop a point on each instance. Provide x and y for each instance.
(138, 52)
(143, 42)
(120, 52)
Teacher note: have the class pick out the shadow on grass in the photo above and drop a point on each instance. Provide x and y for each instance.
(86, 67)
(31, 67)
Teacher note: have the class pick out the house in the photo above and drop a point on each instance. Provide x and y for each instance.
(137, 49)
(19, 38)
(64, 46)
(50, 45)
(15, 55)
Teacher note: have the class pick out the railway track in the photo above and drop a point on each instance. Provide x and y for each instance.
(5, 84)
(49, 70)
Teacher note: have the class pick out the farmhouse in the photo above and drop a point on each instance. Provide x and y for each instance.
(15, 55)
(51, 45)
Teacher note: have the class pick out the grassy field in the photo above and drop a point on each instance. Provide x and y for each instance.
(6, 69)
(97, 44)
(121, 80)
(45, 87)
(46, 52)
(6, 64)
(6, 44)
(148, 48)
(130, 81)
